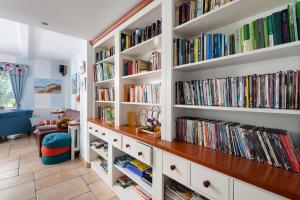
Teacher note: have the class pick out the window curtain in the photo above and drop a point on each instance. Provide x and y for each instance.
(17, 74)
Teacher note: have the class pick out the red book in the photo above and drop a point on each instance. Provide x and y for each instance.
(290, 151)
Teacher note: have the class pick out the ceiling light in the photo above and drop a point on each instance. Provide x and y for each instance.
(45, 23)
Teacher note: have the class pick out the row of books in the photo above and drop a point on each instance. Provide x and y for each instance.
(264, 145)
(191, 9)
(131, 67)
(279, 28)
(106, 113)
(277, 90)
(147, 93)
(176, 191)
(104, 71)
(140, 35)
(105, 94)
(102, 54)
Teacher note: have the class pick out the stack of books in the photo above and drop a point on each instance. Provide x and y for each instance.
(124, 181)
(176, 191)
(144, 195)
(191, 9)
(131, 67)
(264, 145)
(279, 28)
(122, 161)
(102, 54)
(147, 93)
(277, 90)
(103, 112)
(104, 71)
(105, 94)
(103, 163)
(140, 35)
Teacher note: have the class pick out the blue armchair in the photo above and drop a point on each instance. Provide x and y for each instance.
(15, 122)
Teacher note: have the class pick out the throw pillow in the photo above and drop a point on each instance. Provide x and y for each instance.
(46, 127)
(50, 160)
(54, 151)
(54, 140)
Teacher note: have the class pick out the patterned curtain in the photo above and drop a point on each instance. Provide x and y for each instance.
(17, 74)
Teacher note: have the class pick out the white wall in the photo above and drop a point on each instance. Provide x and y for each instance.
(40, 69)
(85, 106)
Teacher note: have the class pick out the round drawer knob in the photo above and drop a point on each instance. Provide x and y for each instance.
(127, 145)
(140, 153)
(96, 131)
(206, 183)
(172, 167)
(90, 128)
(103, 134)
(115, 140)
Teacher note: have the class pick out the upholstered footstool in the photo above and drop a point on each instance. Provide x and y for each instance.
(56, 148)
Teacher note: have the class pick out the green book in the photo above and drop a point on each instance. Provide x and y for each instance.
(266, 32)
(277, 28)
(270, 30)
(298, 17)
(252, 35)
(291, 23)
(246, 43)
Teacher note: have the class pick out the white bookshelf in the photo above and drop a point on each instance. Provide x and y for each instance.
(100, 152)
(110, 59)
(275, 52)
(224, 19)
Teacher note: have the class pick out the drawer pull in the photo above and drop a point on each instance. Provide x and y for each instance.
(115, 140)
(206, 183)
(96, 131)
(103, 134)
(172, 167)
(90, 128)
(140, 153)
(127, 145)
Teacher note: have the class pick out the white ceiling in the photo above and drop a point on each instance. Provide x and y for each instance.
(79, 18)
(24, 41)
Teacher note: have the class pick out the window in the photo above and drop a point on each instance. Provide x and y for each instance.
(7, 98)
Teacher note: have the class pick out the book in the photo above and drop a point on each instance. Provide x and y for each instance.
(147, 93)
(277, 28)
(264, 145)
(285, 26)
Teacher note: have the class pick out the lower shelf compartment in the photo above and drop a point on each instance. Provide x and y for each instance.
(126, 193)
(137, 179)
(102, 173)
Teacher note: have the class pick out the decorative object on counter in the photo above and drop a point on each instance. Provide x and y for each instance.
(149, 121)
(131, 118)
(110, 115)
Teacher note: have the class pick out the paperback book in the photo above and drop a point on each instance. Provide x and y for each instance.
(147, 93)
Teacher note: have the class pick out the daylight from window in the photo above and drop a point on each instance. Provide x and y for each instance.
(7, 99)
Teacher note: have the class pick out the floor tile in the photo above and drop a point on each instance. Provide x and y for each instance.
(7, 159)
(101, 191)
(56, 178)
(84, 170)
(21, 192)
(72, 164)
(9, 166)
(9, 174)
(32, 166)
(91, 177)
(18, 180)
(86, 196)
(46, 172)
(65, 190)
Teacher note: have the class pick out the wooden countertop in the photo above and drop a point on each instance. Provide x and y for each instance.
(273, 179)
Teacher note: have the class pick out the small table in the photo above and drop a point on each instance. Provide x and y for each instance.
(74, 130)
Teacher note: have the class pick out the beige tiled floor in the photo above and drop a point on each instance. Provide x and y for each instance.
(24, 177)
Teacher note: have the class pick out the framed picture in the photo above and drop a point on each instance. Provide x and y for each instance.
(47, 86)
(74, 83)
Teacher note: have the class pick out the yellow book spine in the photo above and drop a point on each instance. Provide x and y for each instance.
(127, 41)
(196, 50)
(247, 92)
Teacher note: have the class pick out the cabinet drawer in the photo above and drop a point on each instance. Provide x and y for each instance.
(104, 134)
(210, 182)
(175, 167)
(116, 140)
(143, 153)
(245, 191)
(128, 145)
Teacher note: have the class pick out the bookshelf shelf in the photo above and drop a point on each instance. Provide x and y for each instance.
(108, 102)
(150, 74)
(95, 165)
(224, 15)
(109, 81)
(135, 178)
(238, 109)
(110, 59)
(100, 152)
(275, 52)
(144, 48)
(140, 104)
(125, 193)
